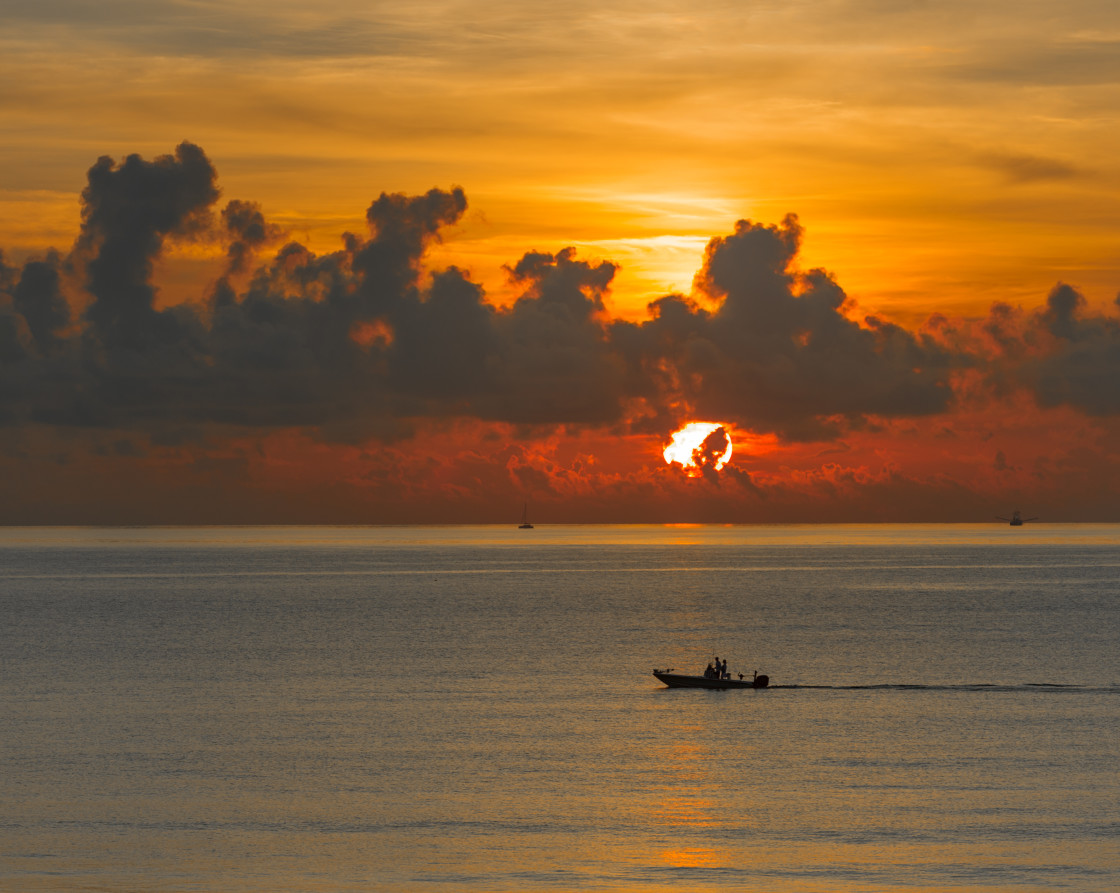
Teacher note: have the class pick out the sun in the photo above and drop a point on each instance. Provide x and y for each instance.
(699, 446)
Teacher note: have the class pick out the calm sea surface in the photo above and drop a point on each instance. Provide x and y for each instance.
(471, 709)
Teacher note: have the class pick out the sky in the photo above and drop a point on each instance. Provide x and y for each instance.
(377, 263)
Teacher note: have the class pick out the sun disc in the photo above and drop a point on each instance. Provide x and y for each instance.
(699, 446)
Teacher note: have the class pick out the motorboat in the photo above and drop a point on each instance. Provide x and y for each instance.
(682, 680)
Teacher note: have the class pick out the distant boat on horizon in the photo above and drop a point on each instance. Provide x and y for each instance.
(1016, 519)
(525, 525)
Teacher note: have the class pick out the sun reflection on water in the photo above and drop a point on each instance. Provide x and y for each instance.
(684, 805)
(690, 857)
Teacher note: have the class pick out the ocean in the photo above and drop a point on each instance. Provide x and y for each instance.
(472, 708)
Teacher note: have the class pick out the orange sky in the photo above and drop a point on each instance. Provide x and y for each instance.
(942, 160)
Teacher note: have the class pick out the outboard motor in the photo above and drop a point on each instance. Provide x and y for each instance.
(761, 681)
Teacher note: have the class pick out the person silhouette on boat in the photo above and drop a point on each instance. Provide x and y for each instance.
(710, 672)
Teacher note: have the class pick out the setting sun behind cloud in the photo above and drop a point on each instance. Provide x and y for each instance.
(699, 446)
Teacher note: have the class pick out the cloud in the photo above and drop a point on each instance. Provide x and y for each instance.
(249, 231)
(352, 343)
(1063, 354)
(128, 210)
(1021, 168)
(362, 343)
(710, 452)
(1044, 61)
(777, 353)
(176, 28)
(1080, 364)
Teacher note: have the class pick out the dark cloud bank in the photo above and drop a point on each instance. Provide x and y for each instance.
(359, 342)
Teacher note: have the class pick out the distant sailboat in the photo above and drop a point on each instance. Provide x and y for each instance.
(525, 525)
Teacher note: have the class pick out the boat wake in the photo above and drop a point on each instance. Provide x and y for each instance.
(1031, 687)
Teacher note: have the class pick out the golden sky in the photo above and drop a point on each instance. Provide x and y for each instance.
(941, 159)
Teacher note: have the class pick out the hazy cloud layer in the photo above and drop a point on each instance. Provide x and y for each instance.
(361, 343)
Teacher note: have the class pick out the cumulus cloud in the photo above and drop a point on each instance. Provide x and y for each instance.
(1078, 361)
(128, 210)
(711, 450)
(778, 353)
(249, 231)
(362, 343)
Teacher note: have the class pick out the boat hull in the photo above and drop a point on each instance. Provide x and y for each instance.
(680, 680)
